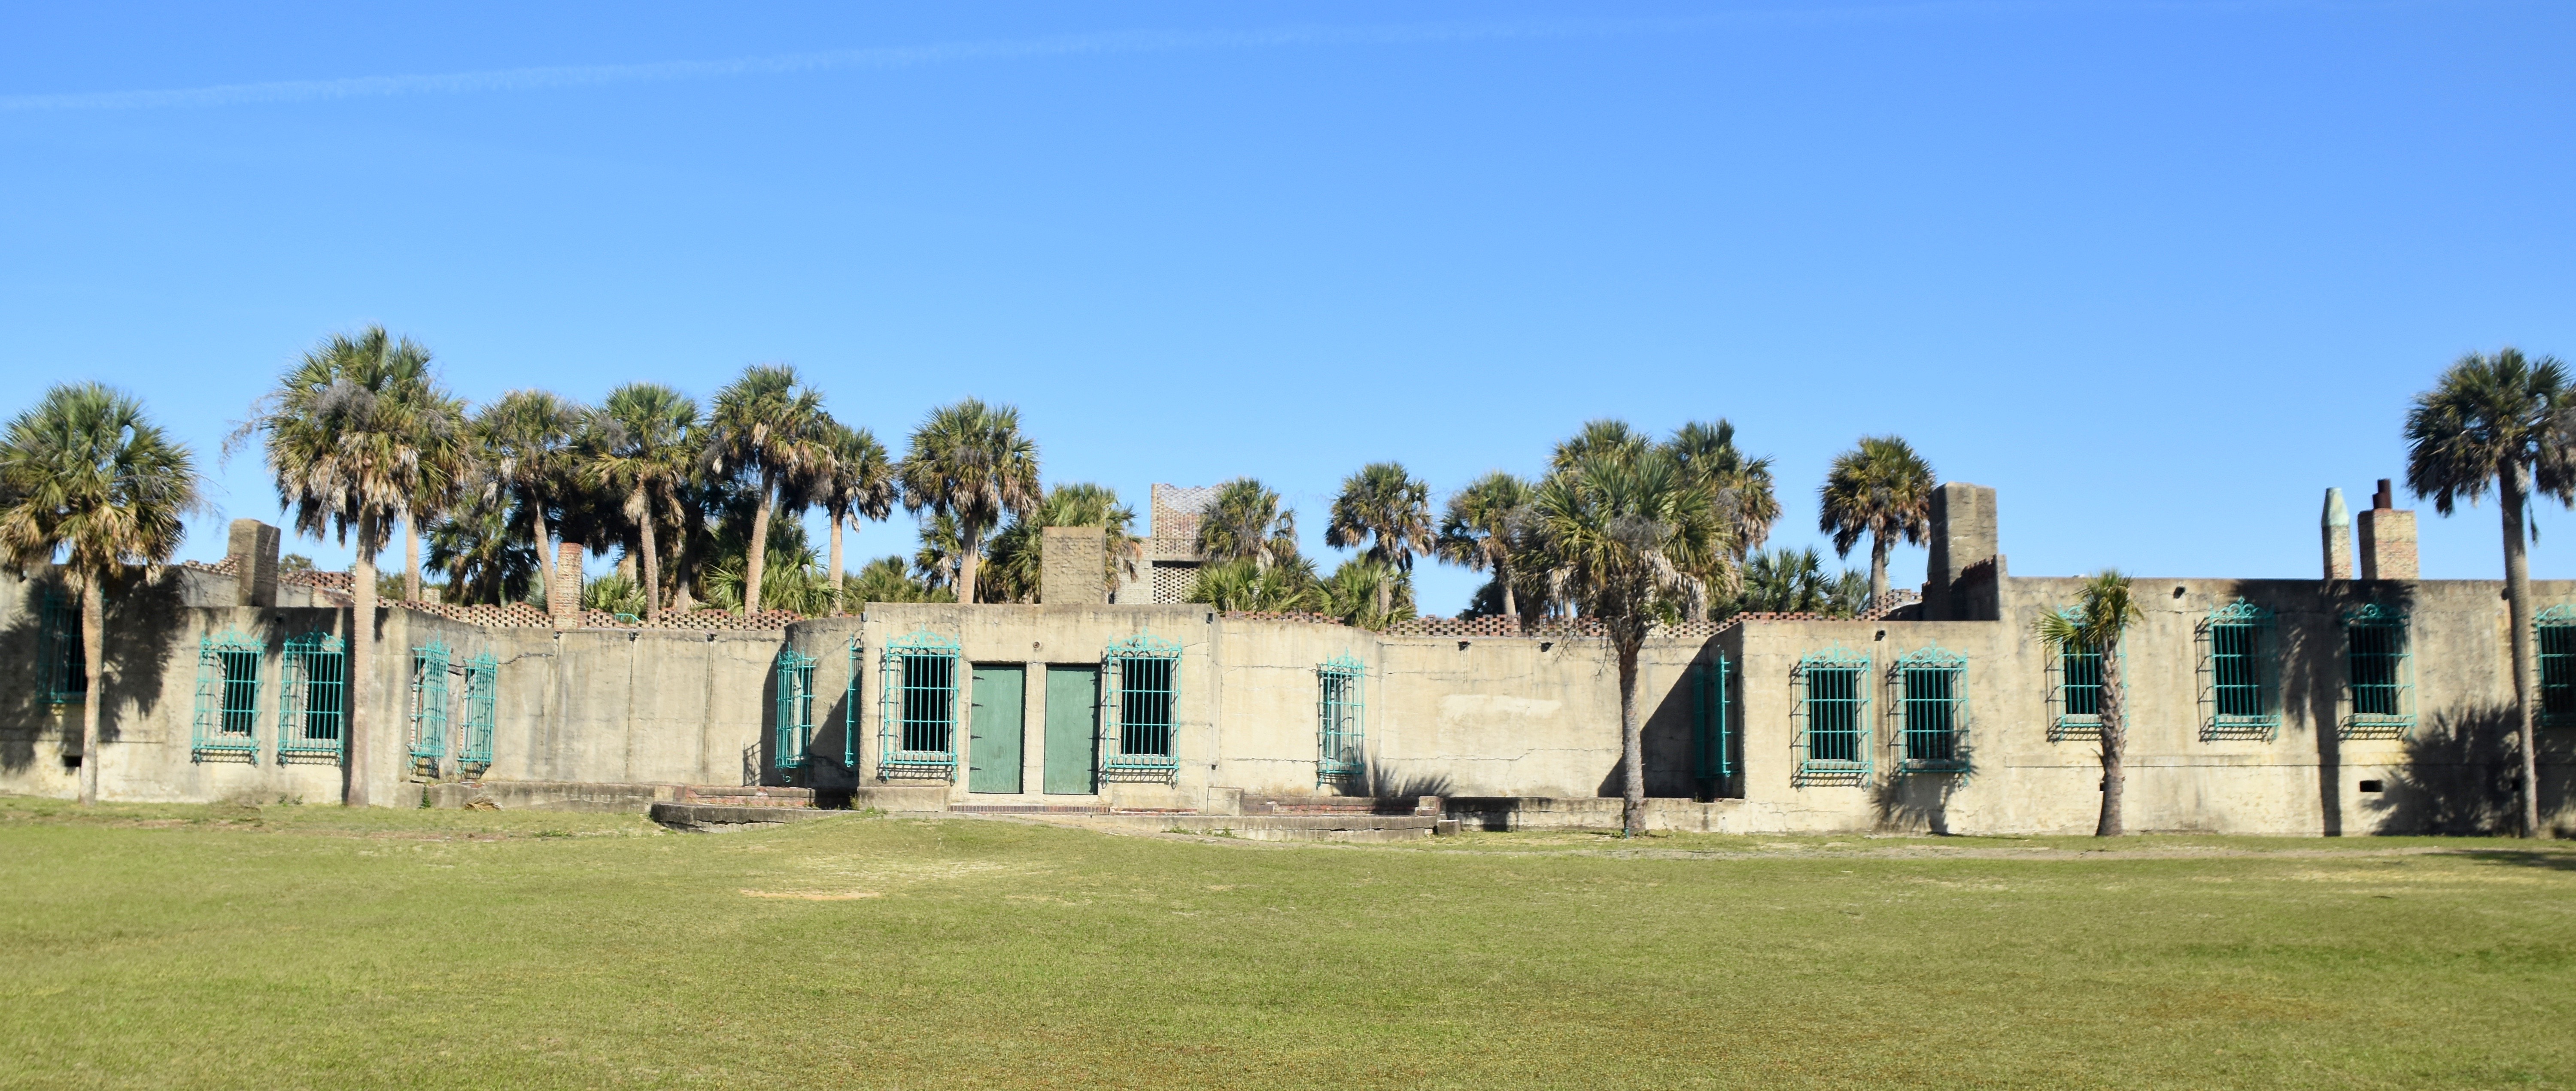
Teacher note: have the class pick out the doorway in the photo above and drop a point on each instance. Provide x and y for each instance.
(994, 729)
(1072, 743)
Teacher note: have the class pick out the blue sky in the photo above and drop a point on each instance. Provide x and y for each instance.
(2160, 273)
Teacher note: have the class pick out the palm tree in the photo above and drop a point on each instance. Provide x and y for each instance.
(2102, 612)
(1363, 591)
(885, 580)
(483, 558)
(970, 462)
(856, 480)
(1741, 487)
(1390, 511)
(767, 428)
(447, 466)
(1246, 523)
(1882, 489)
(1626, 531)
(85, 476)
(1610, 439)
(522, 445)
(1245, 584)
(2509, 423)
(343, 436)
(641, 444)
(1481, 527)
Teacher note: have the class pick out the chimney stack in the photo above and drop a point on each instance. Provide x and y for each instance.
(2338, 532)
(253, 546)
(2387, 538)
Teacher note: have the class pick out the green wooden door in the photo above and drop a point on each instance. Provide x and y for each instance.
(1072, 697)
(993, 743)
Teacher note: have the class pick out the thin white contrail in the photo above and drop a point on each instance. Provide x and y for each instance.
(1141, 41)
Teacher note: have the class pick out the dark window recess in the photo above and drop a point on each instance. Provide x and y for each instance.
(2374, 786)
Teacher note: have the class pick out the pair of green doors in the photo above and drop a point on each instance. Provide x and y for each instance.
(997, 730)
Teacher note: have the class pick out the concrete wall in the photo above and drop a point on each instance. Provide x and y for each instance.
(1461, 717)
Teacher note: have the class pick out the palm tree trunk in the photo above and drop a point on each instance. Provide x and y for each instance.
(545, 550)
(1503, 577)
(1385, 593)
(836, 564)
(362, 658)
(411, 557)
(1632, 746)
(652, 559)
(970, 549)
(2115, 778)
(2517, 597)
(1878, 546)
(756, 554)
(93, 667)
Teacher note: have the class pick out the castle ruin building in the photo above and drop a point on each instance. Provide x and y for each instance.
(2340, 705)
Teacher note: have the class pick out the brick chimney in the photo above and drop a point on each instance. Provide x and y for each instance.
(2387, 538)
(2338, 532)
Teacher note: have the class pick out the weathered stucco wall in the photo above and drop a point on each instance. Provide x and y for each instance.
(1462, 717)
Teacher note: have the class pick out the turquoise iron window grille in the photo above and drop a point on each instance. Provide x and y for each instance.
(1341, 712)
(917, 728)
(795, 724)
(227, 714)
(59, 652)
(1832, 713)
(2556, 629)
(474, 736)
(850, 710)
(429, 663)
(1931, 711)
(2379, 675)
(1141, 688)
(2237, 674)
(312, 706)
(1712, 761)
(2075, 689)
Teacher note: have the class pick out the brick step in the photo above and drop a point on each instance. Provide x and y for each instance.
(731, 796)
(1028, 808)
(1339, 805)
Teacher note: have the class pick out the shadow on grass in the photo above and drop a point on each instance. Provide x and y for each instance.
(2546, 861)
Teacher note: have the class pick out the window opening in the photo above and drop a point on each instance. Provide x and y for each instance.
(2556, 628)
(1932, 711)
(1711, 761)
(2077, 689)
(1341, 738)
(850, 709)
(1141, 687)
(1833, 729)
(227, 712)
(312, 700)
(2237, 674)
(474, 736)
(429, 663)
(60, 653)
(918, 725)
(795, 722)
(2378, 673)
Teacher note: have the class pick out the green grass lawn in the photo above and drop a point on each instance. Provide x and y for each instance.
(312, 946)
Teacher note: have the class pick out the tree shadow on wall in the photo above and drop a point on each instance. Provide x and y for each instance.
(2312, 678)
(1374, 780)
(2461, 775)
(1665, 738)
(27, 711)
(143, 630)
(1906, 802)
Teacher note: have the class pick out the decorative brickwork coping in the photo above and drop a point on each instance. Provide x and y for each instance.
(522, 615)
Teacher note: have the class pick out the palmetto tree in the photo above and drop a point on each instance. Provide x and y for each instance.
(641, 444)
(969, 462)
(347, 436)
(85, 476)
(1879, 489)
(483, 557)
(767, 428)
(523, 450)
(1389, 511)
(2101, 614)
(855, 480)
(447, 468)
(1625, 533)
(2508, 423)
(1246, 523)
(1481, 528)
(1741, 487)
(1613, 440)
